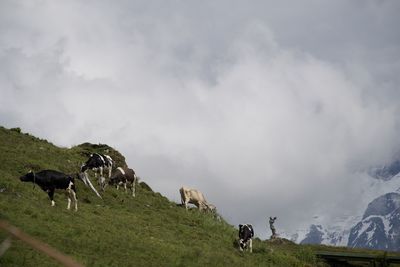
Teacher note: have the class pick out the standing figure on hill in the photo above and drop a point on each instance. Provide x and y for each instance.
(272, 227)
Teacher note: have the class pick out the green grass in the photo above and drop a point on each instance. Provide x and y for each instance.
(118, 230)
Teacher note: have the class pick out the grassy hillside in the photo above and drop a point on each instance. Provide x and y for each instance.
(118, 230)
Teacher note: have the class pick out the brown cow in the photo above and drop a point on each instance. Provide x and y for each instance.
(195, 197)
(124, 176)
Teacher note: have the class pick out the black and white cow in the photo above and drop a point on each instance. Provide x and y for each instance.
(246, 234)
(50, 180)
(124, 176)
(98, 162)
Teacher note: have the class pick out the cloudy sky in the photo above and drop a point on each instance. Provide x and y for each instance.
(270, 108)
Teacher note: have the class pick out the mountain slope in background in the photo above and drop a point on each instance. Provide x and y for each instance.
(317, 234)
(386, 172)
(378, 226)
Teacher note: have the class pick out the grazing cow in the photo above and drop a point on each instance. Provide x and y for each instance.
(195, 197)
(246, 234)
(124, 176)
(49, 181)
(98, 162)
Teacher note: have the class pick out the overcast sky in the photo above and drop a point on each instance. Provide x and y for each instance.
(270, 108)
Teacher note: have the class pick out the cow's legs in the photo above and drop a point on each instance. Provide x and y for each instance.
(72, 196)
(68, 193)
(69, 201)
(99, 169)
(251, 245)
(50, 192)
(184, 198)
(240, 245)
(73, 193)
(125, 187)
(133, 188)
(102, 182)
(109, 171)
(104, 186)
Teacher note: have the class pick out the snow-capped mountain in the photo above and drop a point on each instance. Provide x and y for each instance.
(334, 235)
(386, 172)
(378, 227)
(319, 235)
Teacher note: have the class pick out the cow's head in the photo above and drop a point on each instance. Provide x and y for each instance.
(82, 176)
(84, 168)
(245, 232)
(29, 177)
(211, 208)
(113, 180)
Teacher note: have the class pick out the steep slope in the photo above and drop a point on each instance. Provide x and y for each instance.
(388, 171)
(314, 236)
(380, 226)
(118, 230)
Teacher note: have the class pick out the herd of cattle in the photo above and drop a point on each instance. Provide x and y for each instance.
(51, 180)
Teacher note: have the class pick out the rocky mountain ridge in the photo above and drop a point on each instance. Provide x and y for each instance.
(378, 227)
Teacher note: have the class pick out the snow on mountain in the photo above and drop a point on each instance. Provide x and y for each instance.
(369, 233)
(383, 205)
(335, 234)
(374, 228)
(296, 237)
(380, 226)
(385, 172)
